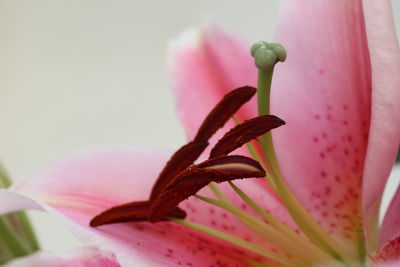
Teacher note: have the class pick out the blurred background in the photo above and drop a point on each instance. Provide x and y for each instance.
(78, 74)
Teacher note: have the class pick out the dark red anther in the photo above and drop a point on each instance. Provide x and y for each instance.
(223, 111)
(180, 179)
(189, 182)
(245, 132)
(229, 162)
(216, 119)
(131, 212)
(181, 159)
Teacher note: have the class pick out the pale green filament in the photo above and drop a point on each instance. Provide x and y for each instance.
(255, 156)
(262, 230)
(289, 232)
(237, 241)
(217, 193)
(272, 235)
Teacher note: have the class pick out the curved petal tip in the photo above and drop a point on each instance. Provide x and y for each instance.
(84, 257)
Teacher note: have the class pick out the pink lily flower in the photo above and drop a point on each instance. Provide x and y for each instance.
(338, 92)
(84, 257)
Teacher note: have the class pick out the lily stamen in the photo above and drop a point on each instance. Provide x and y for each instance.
(178, 180)
(181, 179)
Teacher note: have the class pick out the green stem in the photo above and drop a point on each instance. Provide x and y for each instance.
(5, 254)
(28, 230)
(9, 237)
(5, 180)
(16, 224)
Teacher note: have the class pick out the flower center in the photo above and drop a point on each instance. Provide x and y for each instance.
(181, 179)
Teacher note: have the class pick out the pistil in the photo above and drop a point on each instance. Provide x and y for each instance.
(266, 56)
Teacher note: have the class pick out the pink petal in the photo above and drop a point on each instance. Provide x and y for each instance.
(391, 224)
(323, 93)
(13, 202)
(84, 257)
(385, 127)
(388, 252)
(80, 186)
(391, 264)
(205, 65)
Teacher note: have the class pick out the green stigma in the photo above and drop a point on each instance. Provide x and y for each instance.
(266, 55)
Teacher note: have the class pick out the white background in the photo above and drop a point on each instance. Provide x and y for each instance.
(76, 74)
